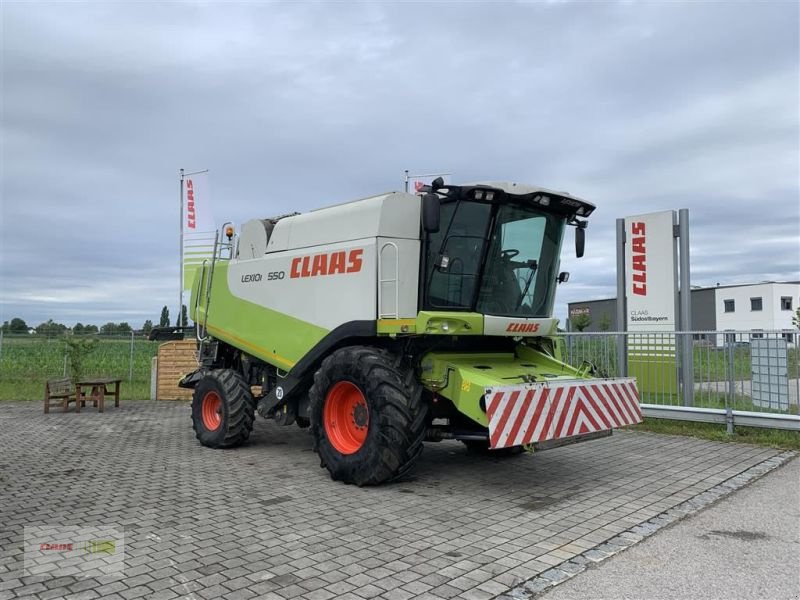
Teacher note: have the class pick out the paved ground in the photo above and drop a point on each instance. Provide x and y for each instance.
(747, 546)
(265, 521)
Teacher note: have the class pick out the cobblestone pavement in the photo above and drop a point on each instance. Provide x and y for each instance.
(264, 521)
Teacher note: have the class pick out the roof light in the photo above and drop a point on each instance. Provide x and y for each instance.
(478, 194)
(490, 195)
(544, 200)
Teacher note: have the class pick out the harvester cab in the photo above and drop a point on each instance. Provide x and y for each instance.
(391, 320)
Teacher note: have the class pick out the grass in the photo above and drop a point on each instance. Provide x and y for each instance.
(710, 363)
(27, 362)
(774, 438)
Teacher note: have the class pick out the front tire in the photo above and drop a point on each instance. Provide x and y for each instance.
(223, 409)
(368, 417)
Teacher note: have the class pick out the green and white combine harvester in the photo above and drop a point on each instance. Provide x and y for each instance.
(393, 320)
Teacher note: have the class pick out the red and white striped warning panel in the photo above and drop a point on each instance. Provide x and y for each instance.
(536, 412)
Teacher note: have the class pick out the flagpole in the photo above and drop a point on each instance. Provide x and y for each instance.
(180, 261)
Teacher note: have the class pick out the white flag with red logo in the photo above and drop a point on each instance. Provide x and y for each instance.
(415, 182)
(198, 227)
(197, 214)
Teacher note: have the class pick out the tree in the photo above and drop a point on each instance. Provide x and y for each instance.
(605, 322)
(50, 328)
(580, 322)
(164, 322)
(795, 318)
(90, 329)
(184, 316)
(109, 328)
(124, 328)
(16, 325)
(78, 329)
(77, 350)
(147, 327)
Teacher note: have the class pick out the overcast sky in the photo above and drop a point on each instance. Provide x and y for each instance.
(636, 107)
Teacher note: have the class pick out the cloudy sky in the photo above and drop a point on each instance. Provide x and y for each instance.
(634, 106)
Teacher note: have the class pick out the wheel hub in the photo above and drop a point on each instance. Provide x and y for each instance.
(360, 415)
(211, 411)
(346, 417)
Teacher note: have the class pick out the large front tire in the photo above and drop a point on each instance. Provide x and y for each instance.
(368, 417)
(223, 409)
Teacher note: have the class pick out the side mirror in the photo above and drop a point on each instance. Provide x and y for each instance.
(430, 213)
(580, 240)
(563, 277)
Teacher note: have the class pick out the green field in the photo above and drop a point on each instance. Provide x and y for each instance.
(27, 362)
(710, 363)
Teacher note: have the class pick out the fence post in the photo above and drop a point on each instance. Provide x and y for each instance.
(130, 363)
(686, 346)
(730, 398)
(622, 354)
(1, 342)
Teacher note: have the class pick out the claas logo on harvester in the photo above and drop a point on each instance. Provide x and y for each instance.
(329, 263)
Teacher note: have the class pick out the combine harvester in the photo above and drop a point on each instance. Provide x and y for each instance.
(393, 320)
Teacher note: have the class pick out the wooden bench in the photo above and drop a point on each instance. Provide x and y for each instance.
(62, 390)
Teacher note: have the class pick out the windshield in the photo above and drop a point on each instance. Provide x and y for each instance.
(522, 263)
(519, 267)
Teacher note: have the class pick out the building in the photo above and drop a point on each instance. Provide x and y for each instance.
(753, 307)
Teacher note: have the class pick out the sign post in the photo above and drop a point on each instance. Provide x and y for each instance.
(648, 303)
(651, 276)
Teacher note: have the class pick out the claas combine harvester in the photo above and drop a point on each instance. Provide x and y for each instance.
(389, 321)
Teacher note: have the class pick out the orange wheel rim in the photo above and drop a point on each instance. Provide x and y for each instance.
(346, 417)
(211, 411)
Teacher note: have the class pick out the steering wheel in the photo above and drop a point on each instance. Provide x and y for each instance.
(509, 253)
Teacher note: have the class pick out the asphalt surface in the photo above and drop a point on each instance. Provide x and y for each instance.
(746, 546)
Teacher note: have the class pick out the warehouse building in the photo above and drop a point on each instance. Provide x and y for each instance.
(754, 307)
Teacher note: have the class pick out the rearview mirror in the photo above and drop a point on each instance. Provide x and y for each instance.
(580, 241)
(563, 277)
(430, 213)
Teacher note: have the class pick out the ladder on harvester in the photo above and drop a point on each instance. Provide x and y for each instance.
(207, 279)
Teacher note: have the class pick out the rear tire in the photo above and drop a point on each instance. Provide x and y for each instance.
(223, 409)
(368, 417)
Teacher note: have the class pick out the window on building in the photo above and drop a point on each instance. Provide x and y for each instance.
(756, 304)
(756, 335)
(789, 337)
(786, 303)
(729, 305)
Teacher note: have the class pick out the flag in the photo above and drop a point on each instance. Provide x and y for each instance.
(198, 227)
(415, 182)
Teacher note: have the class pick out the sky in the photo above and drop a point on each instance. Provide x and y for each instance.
(634, 106)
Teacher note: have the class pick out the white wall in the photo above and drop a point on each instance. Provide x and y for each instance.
(769, 318)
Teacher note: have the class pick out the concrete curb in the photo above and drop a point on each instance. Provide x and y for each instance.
(535, 587)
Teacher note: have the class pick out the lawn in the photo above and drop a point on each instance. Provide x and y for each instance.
(774, 438)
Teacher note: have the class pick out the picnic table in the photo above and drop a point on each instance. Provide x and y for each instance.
(100, 387)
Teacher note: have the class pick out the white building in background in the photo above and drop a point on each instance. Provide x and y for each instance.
(768, 306)
(749, 307)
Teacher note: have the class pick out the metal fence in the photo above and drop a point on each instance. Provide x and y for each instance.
(746, 377)
(27, 361)
(742, 377)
